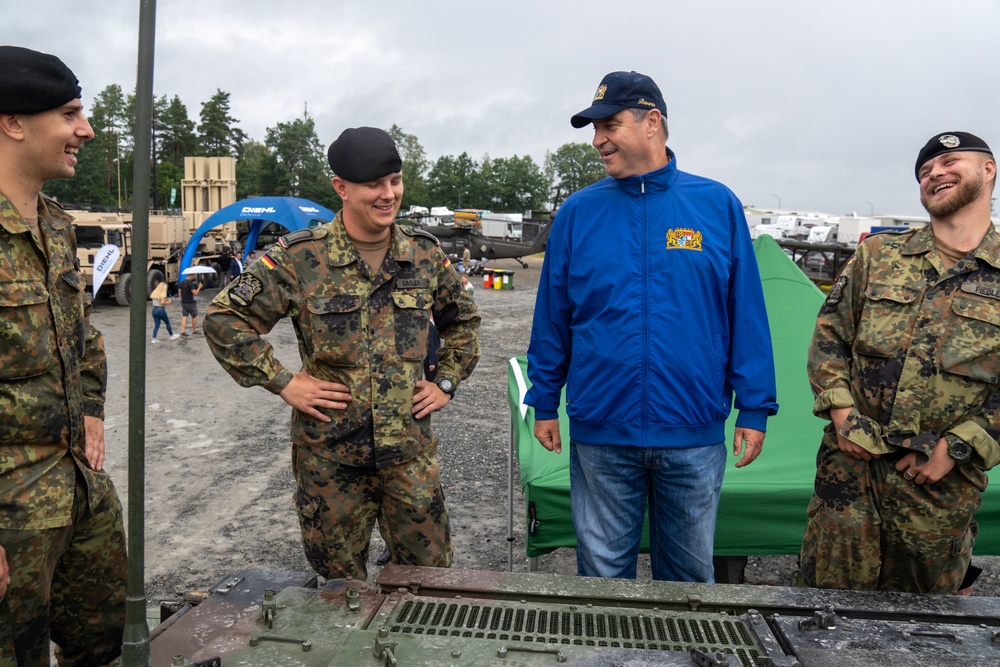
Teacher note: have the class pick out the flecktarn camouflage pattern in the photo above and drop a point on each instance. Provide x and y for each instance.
(60, 521)
(365, 329)
(915, 349)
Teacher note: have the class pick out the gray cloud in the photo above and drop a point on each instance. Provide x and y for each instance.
(824, 105)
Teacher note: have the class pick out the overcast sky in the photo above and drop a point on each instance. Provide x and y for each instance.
(822, 106)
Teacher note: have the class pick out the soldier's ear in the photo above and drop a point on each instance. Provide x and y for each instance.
(339, 186)
(10, 125)
(991, 167)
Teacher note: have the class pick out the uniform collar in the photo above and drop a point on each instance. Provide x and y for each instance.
(989, 248)
(988, 251)
(343, 252)
(921, 242)
(49, 214)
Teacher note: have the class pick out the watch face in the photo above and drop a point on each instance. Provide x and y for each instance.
(959, 451)
(447, 386)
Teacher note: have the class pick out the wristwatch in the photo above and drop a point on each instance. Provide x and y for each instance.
(958, 449)
(447, 386)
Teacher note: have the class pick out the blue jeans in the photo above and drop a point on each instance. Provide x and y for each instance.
(610, 487)
(160, 315)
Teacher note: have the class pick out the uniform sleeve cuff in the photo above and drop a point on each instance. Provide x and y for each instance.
(279, 381)
(542, 415)
(93, 409)
(980, 441)
(838, 397)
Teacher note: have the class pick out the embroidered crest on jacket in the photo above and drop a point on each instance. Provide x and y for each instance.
(683, 239)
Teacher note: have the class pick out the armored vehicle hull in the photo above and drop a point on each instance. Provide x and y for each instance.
(429, 616)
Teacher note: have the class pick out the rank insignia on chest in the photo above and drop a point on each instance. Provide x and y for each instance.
(246, 288)
(683, 239)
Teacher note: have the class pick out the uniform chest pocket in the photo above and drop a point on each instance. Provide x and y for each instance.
(27, 335)
(73, 284)
(972, 349)
(886, 317)
(338, 329)
(411, 323)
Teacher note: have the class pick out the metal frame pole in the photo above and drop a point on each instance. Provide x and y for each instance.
(135, 646)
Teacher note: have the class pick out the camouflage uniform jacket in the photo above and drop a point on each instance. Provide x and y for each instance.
(52, 372)
(914, 348)
(368, 332)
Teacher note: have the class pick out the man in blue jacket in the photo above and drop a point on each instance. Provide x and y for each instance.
(650, 312)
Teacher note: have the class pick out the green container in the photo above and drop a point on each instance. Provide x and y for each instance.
(504, 278)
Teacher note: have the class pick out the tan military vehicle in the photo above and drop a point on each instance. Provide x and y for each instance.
(209, 185)
(168, 235)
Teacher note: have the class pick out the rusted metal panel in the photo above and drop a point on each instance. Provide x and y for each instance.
(232, 600)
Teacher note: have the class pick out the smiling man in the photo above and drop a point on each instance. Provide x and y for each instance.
(905, 363)
(650, 312)
(60, 517)
(361, 292)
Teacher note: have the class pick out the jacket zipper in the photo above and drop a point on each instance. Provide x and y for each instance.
(645, 311)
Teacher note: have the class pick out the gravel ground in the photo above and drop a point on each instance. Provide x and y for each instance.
(219, 483)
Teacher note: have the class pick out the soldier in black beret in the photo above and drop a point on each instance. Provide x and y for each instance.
(904, 364)
(61, 527)
(363, 292)
(40, 108)
(949, 142)
(368, 177)
(960, 149)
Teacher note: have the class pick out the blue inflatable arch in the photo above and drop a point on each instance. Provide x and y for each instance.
(292, 213)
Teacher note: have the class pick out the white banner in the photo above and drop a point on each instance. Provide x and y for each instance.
(104, 259)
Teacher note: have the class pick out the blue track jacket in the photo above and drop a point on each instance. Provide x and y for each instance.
(650, 311)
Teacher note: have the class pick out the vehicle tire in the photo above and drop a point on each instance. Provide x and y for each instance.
(214, 279)
(153, 278)
(123, 289)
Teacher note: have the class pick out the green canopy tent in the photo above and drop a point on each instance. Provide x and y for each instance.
(762, 510)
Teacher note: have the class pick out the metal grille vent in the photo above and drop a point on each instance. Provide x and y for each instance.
(653, 630)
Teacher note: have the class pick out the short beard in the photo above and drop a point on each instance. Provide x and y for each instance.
(968, 191)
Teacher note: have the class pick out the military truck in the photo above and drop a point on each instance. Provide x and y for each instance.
(168, 235)
(209, 184)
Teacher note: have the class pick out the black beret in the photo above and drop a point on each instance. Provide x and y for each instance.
(31, 82)
(362, 154)
(949, 142)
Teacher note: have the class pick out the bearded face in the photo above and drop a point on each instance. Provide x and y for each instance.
(952, 181)
(951, 198)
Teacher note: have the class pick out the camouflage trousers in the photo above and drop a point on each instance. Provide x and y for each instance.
(869, 528)
(67, 584)
(338, 504)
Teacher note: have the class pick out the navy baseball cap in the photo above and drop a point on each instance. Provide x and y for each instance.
(621, 90)
(949, 142)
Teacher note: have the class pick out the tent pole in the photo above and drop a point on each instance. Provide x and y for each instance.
(510, 498)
